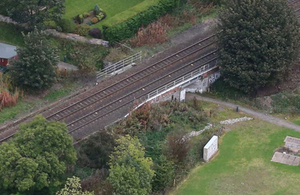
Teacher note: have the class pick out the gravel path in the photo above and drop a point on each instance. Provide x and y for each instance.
(260, 115)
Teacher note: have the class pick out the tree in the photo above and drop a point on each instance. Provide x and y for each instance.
(164, 173)
(178, 147)
(73, 187)
(258, 42)
(130, 172)
(36, 157)
(34, 68)
(95, 151)
(34, 12)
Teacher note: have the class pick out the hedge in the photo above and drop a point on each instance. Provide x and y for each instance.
(129, 27)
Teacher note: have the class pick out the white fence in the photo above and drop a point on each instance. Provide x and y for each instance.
(184, 79)
(120, 66)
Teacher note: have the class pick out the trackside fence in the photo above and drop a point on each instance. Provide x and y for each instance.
(120, 66)
(180, 81)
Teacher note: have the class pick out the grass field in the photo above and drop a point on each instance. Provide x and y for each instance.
(9, 34)
(243, 164)
(116, 10)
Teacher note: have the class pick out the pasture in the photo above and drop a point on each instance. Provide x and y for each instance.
(116, 10)
(243, 164)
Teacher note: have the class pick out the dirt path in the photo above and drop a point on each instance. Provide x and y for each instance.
(259, 115)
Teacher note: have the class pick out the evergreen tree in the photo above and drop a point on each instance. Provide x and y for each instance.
(34, 68)
(259, 41)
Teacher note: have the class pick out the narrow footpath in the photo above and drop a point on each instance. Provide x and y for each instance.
(275, 120)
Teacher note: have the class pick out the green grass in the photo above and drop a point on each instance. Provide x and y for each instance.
(297, 122)
(116, 10)
(13, 112)
(243, 164)
(9, 34)
(56, 94)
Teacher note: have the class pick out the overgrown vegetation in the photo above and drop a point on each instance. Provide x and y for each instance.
(161, 130)
(286, 103)
(7, 99)
(86, 56)
(129, 27)
(160, 31)
(32, 13)
(259, 41)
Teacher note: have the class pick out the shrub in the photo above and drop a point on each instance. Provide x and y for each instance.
(129, 27)
(154, 33)
(86, 14)
(94, 20)
(79, 18)
(164, 174)
(95, 151)
(67, 26)
(101, 16)
(97, 9)
(178, 147)
(82, 30)
(95, 32)
(50, 24)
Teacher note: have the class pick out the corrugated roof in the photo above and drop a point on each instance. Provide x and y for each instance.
(7, 51)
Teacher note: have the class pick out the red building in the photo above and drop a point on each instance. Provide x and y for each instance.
(7, 53)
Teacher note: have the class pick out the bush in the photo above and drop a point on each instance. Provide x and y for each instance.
(86, 14)
(164, 174)
(129, 27)
(50, 24)
(82, 30)
(95, 32)
(97, 9)
(79, 18)
(101, 16)
(94, 20)
(95, 151)
(178, 147)
(154, 33)
(67, 26)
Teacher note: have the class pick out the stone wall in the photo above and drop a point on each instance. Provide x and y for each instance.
(76, 37)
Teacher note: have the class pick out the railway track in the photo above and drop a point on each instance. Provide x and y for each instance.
(140, 93)
(60, 115)
(68, 113)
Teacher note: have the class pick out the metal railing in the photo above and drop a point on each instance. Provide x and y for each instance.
(180, 81)
(120, 66)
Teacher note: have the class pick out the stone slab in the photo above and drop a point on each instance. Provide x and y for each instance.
(286, 159)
